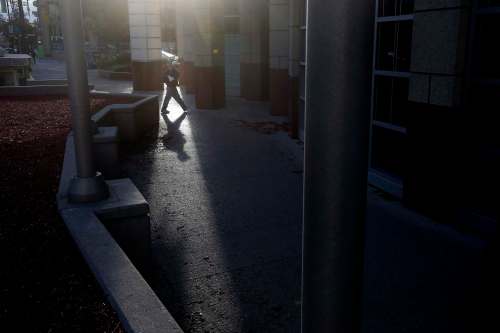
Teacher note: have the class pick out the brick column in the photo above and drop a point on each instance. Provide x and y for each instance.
(208, 50)
(278, 56)
(435, 89)
(254, 63)
(145, 43)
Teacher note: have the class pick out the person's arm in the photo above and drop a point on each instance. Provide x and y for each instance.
(176, 76)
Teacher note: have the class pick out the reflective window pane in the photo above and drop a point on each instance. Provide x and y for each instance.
(394, 46)
(386, 48)
(403, 50)
(395, 7)
(391, 100)
(388, 151)
(487, 64)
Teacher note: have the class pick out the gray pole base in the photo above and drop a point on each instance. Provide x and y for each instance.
(92, 189)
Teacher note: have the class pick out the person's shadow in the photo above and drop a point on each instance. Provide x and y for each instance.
(174, 139)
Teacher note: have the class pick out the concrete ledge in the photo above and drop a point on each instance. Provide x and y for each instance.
(110, 75)
(137, 306)
(133, 119)
(114, 238)
(47, 82)
(41, 90)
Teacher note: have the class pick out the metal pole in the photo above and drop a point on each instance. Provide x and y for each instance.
(339, 59)
(88, 185)
(43, 19)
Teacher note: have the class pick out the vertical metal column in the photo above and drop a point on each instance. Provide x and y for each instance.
(339, 61)
(43, 18)
(88, 186)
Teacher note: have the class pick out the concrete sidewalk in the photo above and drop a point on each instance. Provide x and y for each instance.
(226, 199)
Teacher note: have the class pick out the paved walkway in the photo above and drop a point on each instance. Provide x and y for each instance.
(226, 206)
(226, 209)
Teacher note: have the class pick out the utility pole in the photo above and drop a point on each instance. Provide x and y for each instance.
(43, 18)
(88, 185)
(338, 76)
(20, 20)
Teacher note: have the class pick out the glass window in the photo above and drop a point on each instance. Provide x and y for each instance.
(395, 7)
(390, 95)
(487, 64)
(385, 46)
(391, 100)
(403, 50)
(388, 151)
(394, 46)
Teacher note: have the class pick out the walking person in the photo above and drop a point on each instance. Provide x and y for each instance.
(171, 79)
(34, 54)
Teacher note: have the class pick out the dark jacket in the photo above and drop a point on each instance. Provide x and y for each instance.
(171, 78)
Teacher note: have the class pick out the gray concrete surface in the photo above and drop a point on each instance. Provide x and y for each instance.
(226, 227)
(226, 244)
(113, 237)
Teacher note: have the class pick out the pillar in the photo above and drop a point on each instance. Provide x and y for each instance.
(254, 62)
(43, 9)
(339, 61)
(278, 56)
(145, 43)
(88, 185)
(208, 50)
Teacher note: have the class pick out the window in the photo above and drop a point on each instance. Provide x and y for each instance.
(487, 64)
(390, 86)
(394, 45)
(390, 100)
(395, 7)
(483, 106)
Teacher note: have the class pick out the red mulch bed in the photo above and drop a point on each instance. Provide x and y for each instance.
(45, 285)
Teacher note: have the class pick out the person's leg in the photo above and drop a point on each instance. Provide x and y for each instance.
(178, 99)
(166, 100)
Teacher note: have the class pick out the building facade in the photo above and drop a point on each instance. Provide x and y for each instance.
(435, 88)
(435, 79)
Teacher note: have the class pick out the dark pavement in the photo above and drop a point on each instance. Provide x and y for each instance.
(226, 203)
